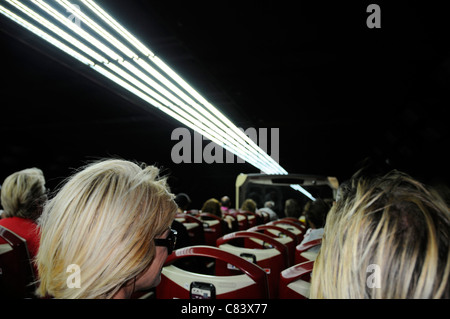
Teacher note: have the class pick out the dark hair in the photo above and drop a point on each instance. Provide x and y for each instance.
(225, 201)
(212, 206)
(317, 213)
(182, 200)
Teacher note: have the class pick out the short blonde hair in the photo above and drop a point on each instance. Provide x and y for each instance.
(212, 206)
(395, 223)
(249, 205)
(104, 220)
(23, 193)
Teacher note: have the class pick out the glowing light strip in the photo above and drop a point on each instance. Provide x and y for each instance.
(250, 158)
(45, 36)
(72, 26)
(206, 116)
(297, 187)
(55, 29)
(235, 132)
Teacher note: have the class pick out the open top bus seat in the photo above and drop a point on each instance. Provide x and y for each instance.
(302, 254)
(263, 250)
(294, 220)
(182, 284)
(253, 218)
(282, 235)
(16, 271)
(213, 227)
(298, 230)
(295, 281)
(194, 227)
(242, 219)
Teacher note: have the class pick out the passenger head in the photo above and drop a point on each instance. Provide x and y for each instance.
(269, 204)
(105, 220)
(292, 208)
(212, 206)
(389, 238)
(225, 201)
(249, 205)
(183, 201)
(317, 213)
(23, 194)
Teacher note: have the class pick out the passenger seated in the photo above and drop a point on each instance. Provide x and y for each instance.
(22, 196)
(292, 208)
(225, 203)
(183, 201)
(249, 205)
(268, 208)
(212, 206)
(111, 222)
(315, 218)
(387, 238)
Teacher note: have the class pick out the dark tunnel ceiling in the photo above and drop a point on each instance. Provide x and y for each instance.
(337, 90)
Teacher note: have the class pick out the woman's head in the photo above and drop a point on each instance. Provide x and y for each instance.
(317, 213)
(249, 205)
(104, 220)
(23, 194)
(391, 228)
(292, 208)
(212, 206)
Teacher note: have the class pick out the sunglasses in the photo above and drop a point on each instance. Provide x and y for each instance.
(168, 242)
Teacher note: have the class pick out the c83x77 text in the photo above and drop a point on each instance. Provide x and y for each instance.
(231, 308)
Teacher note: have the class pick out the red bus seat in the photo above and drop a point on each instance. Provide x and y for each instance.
(265, 217)
(302, 254)
(16, 271)
(253, 218)
(297, 229)
(182, 284)
(263, 250)
(282, 235)
(213, 227)
(294, 220)
(194, 227)
(241, 218)
(295, 281)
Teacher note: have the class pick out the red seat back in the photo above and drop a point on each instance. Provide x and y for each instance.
(213, 228)
(266, 252)
(16, 272)
(281, 234)
(295, 281)
(297, 229)
(253, 218)
(242, 219)
(296, 221)
(194, 227)
(300, 249)
(178, 283)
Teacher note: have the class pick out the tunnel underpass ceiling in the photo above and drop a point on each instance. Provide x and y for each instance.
(337, 91)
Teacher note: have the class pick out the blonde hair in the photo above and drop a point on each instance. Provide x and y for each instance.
(23, 194)
(394, 223)
(212, 206)
(104, 220)
(249, 205)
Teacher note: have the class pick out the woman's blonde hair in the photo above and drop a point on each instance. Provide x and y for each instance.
(23, 193)
(212, 206)
(389, 238)
(249, 205)
(103, 220)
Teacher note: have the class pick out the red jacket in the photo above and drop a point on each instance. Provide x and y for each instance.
(25, 228)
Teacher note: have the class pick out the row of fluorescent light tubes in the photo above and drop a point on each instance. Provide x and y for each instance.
(142, 73)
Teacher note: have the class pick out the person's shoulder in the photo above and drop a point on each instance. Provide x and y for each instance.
(18, 222)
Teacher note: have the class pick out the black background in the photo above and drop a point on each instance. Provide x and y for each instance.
(338, 91)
